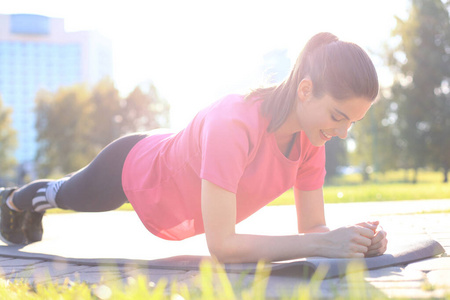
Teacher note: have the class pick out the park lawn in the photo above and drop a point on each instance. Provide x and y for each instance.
(376, 192)
(390, 186)
(358, 193)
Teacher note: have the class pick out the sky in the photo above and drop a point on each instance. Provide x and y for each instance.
(196, 51)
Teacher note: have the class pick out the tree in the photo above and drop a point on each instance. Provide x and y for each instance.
(144, 111)
(115, 116)
(64, 126)
(376, 148)
(440, 132)
(336, 153)
(75, 123)
(8, 141)
(422, 62)
(106, 113)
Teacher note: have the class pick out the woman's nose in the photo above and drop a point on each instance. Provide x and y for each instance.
(342, 130)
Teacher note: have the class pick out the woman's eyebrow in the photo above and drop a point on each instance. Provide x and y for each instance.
(344, 115)
(341, 113)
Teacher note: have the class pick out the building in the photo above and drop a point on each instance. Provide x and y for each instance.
(37, 53)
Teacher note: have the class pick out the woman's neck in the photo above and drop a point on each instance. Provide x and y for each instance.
(289, 127)
(286, 134)
(286, 143)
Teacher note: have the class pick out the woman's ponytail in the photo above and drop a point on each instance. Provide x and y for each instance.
(319, 40)
(304, 63)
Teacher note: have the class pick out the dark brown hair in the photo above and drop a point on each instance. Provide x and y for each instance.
(340, 69)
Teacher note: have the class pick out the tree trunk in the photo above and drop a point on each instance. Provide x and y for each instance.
(446, 169)
(416, 171)
(405, 175)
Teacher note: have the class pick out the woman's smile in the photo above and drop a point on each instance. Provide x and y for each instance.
(325, 136)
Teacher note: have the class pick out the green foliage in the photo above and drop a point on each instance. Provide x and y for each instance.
(421, 90)
(64, 128)
(76, 122)
(211, 283)
(106, 113)
(24, 291)
(375, 142)
(409, 125)
(8, 141)
(336, 153)
(138, 104)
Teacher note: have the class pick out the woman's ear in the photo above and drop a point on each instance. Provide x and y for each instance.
(304, 89)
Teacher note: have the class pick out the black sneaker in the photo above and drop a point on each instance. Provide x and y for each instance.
(10, 221)
(32, 226)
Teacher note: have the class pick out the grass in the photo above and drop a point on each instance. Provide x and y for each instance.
(390, 186)
(212, 282)
(376, 192)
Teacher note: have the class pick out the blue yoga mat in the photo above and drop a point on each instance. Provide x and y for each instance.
(403, 254)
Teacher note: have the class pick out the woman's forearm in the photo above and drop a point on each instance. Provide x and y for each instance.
(241, 248)
(317, 229)
(219, 217)
(345, 242)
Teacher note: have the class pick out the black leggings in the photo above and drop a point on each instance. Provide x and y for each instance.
(97, 187)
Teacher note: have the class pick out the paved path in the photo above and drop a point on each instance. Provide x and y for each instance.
(109, 235)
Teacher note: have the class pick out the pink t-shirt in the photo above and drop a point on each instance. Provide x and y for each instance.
(227, 144)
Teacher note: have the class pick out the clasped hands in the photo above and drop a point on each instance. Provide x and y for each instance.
(365, 239)
(378, 243)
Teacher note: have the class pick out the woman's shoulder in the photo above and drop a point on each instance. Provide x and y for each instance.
(230, 101)
(237, 107)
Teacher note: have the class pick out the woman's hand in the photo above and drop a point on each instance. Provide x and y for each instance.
(379, 242)
(348, 242)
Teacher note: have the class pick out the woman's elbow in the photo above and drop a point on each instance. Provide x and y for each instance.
(225, 252)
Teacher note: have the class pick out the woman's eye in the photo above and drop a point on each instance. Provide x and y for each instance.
(334, 119)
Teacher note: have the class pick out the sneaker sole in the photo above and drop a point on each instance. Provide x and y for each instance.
(8, 243)
(2, 238)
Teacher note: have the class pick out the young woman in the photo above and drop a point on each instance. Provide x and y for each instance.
(235, 156)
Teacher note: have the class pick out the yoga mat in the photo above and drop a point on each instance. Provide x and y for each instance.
(119, 238)
(401, 255)
(407, 253)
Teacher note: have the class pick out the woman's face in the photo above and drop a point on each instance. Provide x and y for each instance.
(325, 117)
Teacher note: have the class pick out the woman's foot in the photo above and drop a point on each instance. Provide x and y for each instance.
(11, 221)
(32, 226)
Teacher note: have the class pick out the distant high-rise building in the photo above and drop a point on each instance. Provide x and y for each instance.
(37, 53)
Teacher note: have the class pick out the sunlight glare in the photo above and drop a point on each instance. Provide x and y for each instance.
(198, 51)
